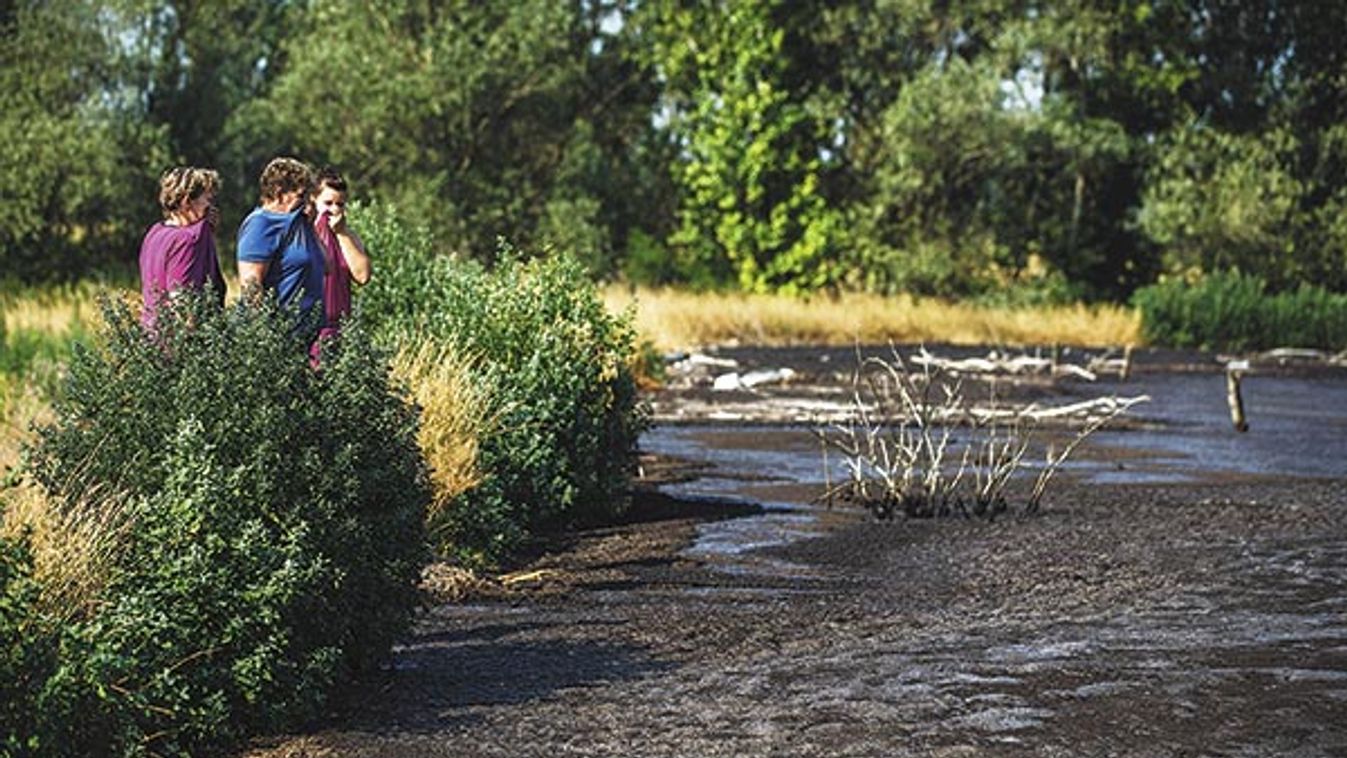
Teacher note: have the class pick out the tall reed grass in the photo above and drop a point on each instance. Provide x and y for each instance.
(453, 419)
(672, 318)
(72, 548)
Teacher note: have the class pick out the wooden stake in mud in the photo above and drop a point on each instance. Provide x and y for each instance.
(1126, 364)
(1234, 371)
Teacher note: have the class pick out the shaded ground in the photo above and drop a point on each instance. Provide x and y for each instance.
(1124, 620)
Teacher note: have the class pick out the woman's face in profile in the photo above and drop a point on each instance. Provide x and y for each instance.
(195, 210)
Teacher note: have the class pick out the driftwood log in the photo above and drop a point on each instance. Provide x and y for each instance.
(1020, 365)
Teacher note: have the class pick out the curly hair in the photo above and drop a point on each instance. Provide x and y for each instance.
(285, 175)
(180, 185)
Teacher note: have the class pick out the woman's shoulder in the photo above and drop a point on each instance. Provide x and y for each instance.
(261, 222)
(163, 233)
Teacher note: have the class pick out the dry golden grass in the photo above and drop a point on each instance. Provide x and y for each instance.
(291, 747)
(73, 547)
(453, 418)
(23, 412)
(57, 312)
(448, 583)
(672, 318)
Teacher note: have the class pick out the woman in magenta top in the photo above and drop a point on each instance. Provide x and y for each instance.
(179, 252)
(347, 260)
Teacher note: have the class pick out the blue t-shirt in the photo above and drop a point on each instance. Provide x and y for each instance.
(287, 243)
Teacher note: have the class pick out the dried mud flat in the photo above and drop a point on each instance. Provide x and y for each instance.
(1124, 620)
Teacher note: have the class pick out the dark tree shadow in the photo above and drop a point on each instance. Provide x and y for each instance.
(440, 677)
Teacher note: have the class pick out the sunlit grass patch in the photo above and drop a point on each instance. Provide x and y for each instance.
(453, 420)
(72, 546)
(37, 327)
(672, 318)
(54, 312)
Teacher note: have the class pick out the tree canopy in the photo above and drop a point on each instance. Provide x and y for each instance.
(1041, 148)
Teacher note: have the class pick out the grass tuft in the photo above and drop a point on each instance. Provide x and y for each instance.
(73, 548)
(453, 419)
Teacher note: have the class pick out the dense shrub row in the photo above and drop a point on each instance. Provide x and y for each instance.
(271, 537)
(553, 364)
(1234, 311)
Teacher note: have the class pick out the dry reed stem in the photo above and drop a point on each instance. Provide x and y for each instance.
(672, 318)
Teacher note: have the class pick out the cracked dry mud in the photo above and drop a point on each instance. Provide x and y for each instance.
(1205, 618)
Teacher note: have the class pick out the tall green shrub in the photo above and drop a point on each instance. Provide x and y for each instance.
(564, 407)
(276, 534)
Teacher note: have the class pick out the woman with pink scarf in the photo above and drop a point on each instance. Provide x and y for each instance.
(347, 260)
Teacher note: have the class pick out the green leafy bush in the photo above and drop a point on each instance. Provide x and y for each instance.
(1234, 311)
(564, 407)
(276, 529)
(27, 649)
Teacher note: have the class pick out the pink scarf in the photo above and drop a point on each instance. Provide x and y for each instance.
(337, 282)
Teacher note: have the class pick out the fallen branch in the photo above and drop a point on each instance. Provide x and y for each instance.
(1100, 407)
(1020, 365)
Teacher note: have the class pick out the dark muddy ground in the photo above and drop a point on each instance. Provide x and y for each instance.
(1201, 617)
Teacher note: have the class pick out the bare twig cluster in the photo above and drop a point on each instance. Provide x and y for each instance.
(899, 450)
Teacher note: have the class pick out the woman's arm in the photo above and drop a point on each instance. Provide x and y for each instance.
(251, 276)
(353, 250)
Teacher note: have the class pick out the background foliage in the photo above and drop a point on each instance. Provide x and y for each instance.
(1064, 147)
(1234, 311)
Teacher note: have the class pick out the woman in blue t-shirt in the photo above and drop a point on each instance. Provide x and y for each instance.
(278, 251)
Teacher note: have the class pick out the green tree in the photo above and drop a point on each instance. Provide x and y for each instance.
(1219, 201)
(75, 178)
(184, 67)
(751, 209)
(945, 147)
(516, 120)
(1248, 174)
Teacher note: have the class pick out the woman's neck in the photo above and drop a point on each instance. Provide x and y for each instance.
(178, 219)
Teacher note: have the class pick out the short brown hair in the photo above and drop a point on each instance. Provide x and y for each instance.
(285, 175)
(329, 176)
(182, 184)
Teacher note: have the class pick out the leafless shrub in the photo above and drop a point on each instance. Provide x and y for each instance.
(898, 444)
